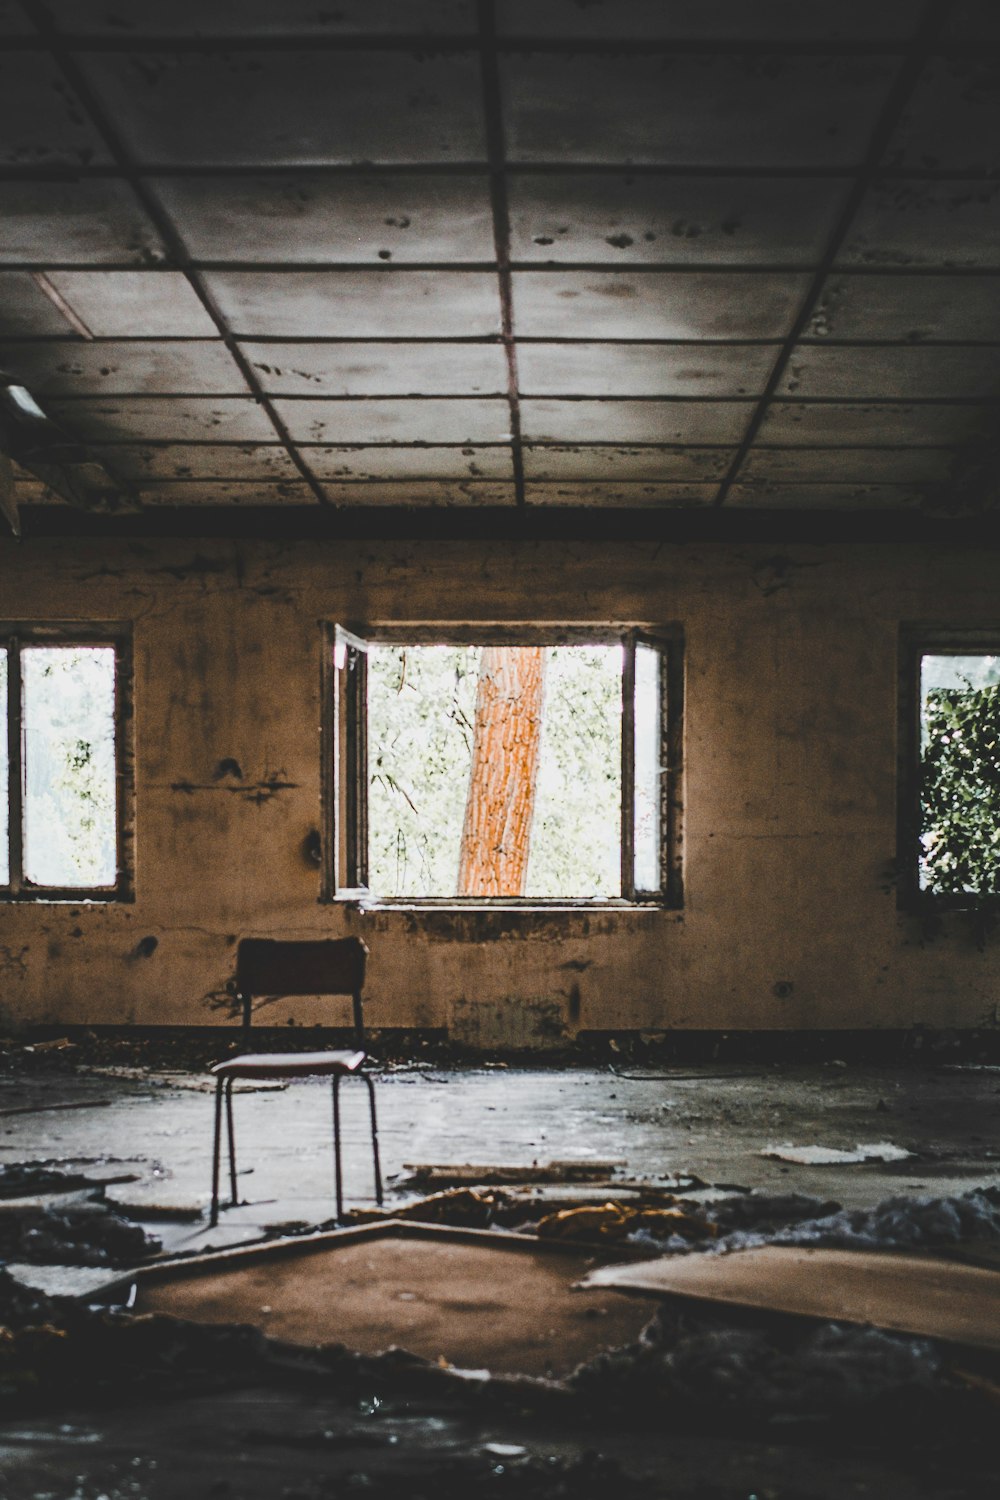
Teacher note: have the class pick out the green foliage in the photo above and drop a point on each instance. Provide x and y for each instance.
(960, 792)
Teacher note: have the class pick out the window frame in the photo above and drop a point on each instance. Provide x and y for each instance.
(916, 642)
(14, 636)
(344, 749)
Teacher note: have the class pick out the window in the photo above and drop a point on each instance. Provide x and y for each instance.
(523, 765)
(62, 763)
(951, 786)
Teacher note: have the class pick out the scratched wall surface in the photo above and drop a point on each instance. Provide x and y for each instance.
(790, 917)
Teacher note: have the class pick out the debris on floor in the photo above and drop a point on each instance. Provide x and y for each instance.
(829, 1156)
(467, 1175)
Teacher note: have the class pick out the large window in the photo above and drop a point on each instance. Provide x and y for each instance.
(62, 764)
(510, 766)
(951, 786)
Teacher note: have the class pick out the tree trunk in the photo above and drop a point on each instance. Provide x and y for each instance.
(496, 833)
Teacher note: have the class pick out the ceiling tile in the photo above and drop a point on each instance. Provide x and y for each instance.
(848, 465)
(358, 304)
(316, 107)
(876, 423)
(415, 492)
(395, 463)
(968, 372)
(692, 110)
(950, 121)
(25, 311)
(644, 369)
(140, 304)
(825, 496)
(297, 220)
(908, 309)
(623, 496)
(87, 219)
(184, 461)
(914, 222)
(656, 304)
(367, 369)
(193, 18)
(626, 465)
(711, 20)
(141, 419)
(431, 421)
(78, 368)
(715, 423)
(42, 123)
(649, 217)
(227, 492)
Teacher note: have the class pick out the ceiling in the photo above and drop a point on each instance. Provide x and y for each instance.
(525, 253)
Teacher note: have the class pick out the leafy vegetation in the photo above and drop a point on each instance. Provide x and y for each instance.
(960, 791)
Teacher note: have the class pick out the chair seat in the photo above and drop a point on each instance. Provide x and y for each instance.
(289, 1064)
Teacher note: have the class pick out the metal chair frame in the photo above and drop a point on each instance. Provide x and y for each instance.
(271, 967)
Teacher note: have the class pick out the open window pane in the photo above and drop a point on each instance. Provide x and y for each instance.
(960, 773)
(4, 776)
(494, 771)
(69, 766)
(649, 751)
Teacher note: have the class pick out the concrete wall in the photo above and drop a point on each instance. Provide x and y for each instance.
(790, 918)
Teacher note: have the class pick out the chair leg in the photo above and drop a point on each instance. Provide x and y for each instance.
(337, 1168)
(375, 1157)
(216, 1152)
(232, 1140)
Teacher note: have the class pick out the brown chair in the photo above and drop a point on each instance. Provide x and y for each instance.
(267, 967)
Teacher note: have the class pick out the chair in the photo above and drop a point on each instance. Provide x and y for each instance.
(266, 967)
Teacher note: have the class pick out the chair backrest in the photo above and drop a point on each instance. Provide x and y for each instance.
(268, 966)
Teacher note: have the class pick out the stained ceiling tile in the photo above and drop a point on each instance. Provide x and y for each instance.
(78, 368)
(410, 463)
(626, 465)
(848, 465)
(227, 492)
(86, 219)
(358, 304)
(692, 109)
(25, 311)
(431, 421)
(908, 309)
(374, 369)
(138, 304)
(303, 219)
(713, 423)
(712, 20)
(644, 369)
(144, 419)
(42, 123)
(875, 423)
(419, 492)
(656, 304)
(263, 18)
(627, 496)
(649, 217)
(185, 461)
(317, 107)
(950, 122)
(826, 496)
(921, 222)
(968, 372)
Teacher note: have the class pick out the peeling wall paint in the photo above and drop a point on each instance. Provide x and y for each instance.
(790, 920)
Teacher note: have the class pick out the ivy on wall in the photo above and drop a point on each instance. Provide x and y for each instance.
(960, 791)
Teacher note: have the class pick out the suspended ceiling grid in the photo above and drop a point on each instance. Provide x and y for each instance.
(527, 253)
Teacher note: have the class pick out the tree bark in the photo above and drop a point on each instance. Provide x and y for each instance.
(496, 834)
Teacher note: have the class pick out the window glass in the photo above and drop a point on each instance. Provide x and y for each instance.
(960, 773)
(648, 769)
(69, 766)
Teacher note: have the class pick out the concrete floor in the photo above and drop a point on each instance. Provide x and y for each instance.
(714, 1122)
